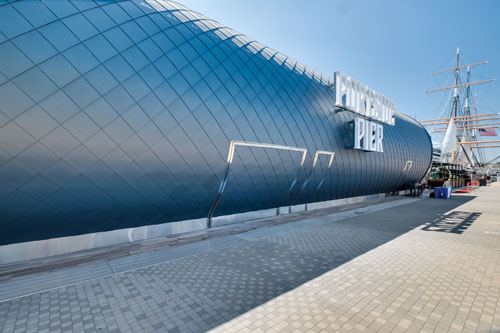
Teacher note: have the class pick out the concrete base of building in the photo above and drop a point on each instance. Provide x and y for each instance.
(63, 245)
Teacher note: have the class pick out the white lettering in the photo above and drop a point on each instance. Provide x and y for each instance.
(355, 96)
(359, 132)
(368, 135)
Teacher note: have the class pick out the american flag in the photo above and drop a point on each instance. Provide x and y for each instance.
(487, 132)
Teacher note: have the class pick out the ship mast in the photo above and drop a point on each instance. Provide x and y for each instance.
(455, 99)
(469, 122)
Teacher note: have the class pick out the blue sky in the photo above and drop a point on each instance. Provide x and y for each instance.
(391, 45)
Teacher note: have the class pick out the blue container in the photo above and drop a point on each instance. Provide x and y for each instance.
(442, 192)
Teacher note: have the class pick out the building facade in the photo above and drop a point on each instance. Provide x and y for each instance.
(121, 114)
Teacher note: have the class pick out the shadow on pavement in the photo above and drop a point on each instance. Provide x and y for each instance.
(221, 285)
(456, 222)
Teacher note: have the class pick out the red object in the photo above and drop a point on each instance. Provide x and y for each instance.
(487, 132)
(470, 187)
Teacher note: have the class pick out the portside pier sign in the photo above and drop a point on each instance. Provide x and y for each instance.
(357, 97)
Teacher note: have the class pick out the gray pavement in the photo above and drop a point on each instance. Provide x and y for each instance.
(399, 265)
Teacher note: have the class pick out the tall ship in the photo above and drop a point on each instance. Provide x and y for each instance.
(459, 130)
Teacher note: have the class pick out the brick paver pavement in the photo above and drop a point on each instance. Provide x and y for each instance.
(373, 271)
(441, 277)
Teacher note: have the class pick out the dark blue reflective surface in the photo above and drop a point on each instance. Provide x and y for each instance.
(120, 113)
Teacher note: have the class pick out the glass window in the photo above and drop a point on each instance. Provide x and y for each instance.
(118, 130)
(81, 126)
(136, 87)
(23, 140)
(156, 4)
(3, 79)
(163, 42)
(165, 121)
(238, 42)
(171, 5)
(268, 53)
(100, 144)
(151, 76)
(188, 51)
(255, 47)
(60, 142)
(198, 45)
(213, 81)
(35, 46)
(147, 25)
(192, 15)
(35, 12)
(133, 31)
(36, 122)
(101, 79)
(219, 54)
(99, 19)
(83, 4)
(116, 13)
(179, 83)
(119, 99)
(202, 89)
(80, 159)
(80, 26)
(150, 49)
(151, 105)
(135, 58)
(11, 22)
(220, 34)
(180, 16)
(165, 67)
(33, 157)
(201, 66)
(160, 21)
(59, 35)
(229, 32)
(13, 61)
(61, 8)
(279, 58)
(174, 36)
(309, 72)
(101, 112)
(208, 40)
(119, 68)
(59, 106)
(135, 117)
(119, 39)
(14, 101)
(211, 24)
(132, 10)
(134, 148)
(202, 26)
(166, 94)
(36, 84)
(81, 92)
(177, 58)
(59, 70)
(191, 75)
(147, 7)
(80, 57)
(101, 48)
(289, 63)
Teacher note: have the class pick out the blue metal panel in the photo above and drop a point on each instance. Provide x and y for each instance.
(120, 113)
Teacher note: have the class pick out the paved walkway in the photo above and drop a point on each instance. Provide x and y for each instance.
(397, 266)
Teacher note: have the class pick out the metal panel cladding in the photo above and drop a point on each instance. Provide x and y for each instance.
(117, 114)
